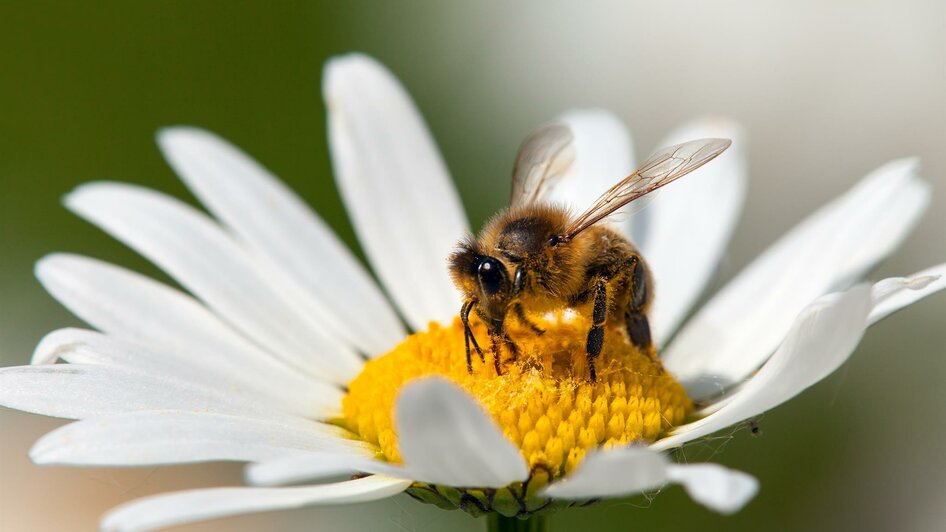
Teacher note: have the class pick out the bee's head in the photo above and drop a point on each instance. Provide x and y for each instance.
(482, 277)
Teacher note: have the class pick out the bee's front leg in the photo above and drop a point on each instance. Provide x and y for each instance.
(468, 337)
(498, 338)
(598, 316)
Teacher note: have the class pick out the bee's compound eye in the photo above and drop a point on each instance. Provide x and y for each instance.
(556, 240)
(492, 275)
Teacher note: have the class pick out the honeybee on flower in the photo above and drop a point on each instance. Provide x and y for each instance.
(263, 360)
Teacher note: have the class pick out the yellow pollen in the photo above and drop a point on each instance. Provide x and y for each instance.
(544, 401)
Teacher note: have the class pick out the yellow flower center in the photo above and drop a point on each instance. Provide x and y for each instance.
(544, 401)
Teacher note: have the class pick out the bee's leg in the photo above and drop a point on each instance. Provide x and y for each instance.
(465, 318)
(513, 349)
(468, 337)
(638, 328)
(523, 319)
(498, 338)
(495, 340)
(596, 334)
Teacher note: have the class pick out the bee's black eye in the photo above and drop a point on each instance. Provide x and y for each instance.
(556, 240)
(492, 275)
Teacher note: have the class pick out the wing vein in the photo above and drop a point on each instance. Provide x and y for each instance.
(662, 168)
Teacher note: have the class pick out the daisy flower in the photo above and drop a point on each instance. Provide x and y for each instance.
(288, 355)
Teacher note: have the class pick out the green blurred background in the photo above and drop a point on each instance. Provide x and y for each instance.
(827, 92)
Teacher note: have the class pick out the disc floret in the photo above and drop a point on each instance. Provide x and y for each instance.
(543, 401)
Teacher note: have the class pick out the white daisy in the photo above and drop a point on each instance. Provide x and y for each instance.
(264, 360)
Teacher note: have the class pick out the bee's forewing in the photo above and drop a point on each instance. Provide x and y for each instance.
(663, 167)
(544, 158)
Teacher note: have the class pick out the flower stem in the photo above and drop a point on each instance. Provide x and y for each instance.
(498, 523)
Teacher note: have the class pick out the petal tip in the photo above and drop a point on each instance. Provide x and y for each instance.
(42, 267)
(717, 126)
(719, 488)
(74, 199)
(82, 198)
(339, 69)
(169, 137)
(904, 165)
(592, 113)
(49, 267)
(41, 452)
(919, 283)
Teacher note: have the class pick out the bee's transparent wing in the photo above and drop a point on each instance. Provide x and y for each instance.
(544, 158)
(663, 167)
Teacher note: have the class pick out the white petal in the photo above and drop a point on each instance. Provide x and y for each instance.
(604, 154)
(197, 505)
(178, 437)
(740, 327)
(445, 437)
(291, 239)
(690, 223)
(204, 259)
(613, 473)
(313, 467)
(887, 295)
(128, 305)
(78, 346)
(631, 470)
(402, 203)
(79, 391)
(823, 336)
(714, 486)
(891, 295)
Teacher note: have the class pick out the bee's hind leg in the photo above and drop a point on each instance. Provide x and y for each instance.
(638, 328)
(468, 337)
(596, 335)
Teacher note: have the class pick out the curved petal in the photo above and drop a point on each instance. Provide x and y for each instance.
(78, 391)
(887, 296)
(204, 259)
(197, 505)
(445, 437)
(179, 437)
(402, 203)
(632, 470)
(286, 235)
(718, 488)
(604, 154)
(690, 223)
(78, 346)
(891, 295)
(127, 304)
(315, 467)
(613, 473)
(823, 336)
(742, 325)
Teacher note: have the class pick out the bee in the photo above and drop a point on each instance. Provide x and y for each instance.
(535, 256)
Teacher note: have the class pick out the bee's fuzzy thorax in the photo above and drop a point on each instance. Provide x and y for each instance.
(522, 232)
